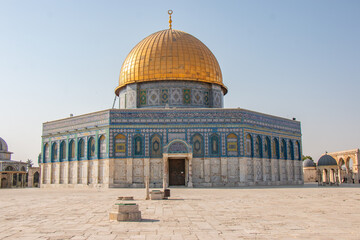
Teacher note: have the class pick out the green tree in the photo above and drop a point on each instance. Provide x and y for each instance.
(307, 157)
(29, 162)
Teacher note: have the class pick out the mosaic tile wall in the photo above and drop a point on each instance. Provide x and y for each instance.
(172, 94)
(230, 125)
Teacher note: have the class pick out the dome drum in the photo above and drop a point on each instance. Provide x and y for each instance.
(171, 94)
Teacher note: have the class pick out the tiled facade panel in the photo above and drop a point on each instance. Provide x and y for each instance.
(243, 141)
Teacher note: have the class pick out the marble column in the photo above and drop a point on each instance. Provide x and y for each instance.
(165, 171)
(190, 183)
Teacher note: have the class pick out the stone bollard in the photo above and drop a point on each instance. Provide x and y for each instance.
(147, 188)
(157, 195)
(125, 212)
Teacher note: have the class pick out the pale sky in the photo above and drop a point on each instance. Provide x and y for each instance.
(285, 58)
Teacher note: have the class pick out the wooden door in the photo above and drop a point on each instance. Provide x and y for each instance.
(177, 172)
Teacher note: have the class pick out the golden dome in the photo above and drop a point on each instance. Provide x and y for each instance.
(170, 55)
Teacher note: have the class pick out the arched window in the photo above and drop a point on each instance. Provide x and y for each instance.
(275, 149)
(102, 147)
(155, 146)
(258, 147)
(297, 151)
(36, 179)
(214, 145)
(249, 150)
(198, 146)
(138, 145)
(9, 168)
(91, 148)
(54, 152)
(232, 144)
(62, 151)
(81, 149)
(71, 150)
(267, 148)
(291, 150)
(120, 145)
(283, 151)
(46, 153)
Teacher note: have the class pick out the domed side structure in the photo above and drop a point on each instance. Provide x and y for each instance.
(308, 163)
(170, 68)
(4, 153)
(326, 160)
(309, 170)
(3, 145)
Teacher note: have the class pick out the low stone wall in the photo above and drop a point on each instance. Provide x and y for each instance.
(206, 172)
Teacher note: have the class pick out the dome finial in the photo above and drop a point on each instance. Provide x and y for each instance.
(170, 21)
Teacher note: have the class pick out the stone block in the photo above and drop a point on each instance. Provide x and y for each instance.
(135, 216)
(127, 208)
(125, 212)
(156, 195)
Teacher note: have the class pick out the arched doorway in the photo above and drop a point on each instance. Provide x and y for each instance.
(177, 164)
(4, 183)
(349, 163)
(36, 179)
(342, 171)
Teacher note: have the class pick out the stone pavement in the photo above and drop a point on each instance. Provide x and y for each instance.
(300, 212)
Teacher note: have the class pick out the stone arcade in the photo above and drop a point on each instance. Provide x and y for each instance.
(171, 127)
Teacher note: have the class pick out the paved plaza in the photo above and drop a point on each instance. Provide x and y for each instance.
(302, 212)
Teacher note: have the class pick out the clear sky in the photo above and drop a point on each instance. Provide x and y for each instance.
(286, 58)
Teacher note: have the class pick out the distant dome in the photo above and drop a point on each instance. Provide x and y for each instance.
(170, 55)
(308, 163)
(327, 160)
(3, 145)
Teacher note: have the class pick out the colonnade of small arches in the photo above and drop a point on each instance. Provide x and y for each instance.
(68, 150)
(286, 149)
(255, 146)
(16, 176)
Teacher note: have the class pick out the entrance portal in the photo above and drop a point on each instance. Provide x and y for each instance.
(177, 172)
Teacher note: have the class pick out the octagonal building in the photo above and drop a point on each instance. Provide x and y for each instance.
(171, 127)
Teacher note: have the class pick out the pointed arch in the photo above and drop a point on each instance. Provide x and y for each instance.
(198, 145)
(291, 150)
(9, 168)
(81, 149)
(267, 148)
(102, 146)
(91, 148)
(258, 147)
(232, 144)
(283, 149)
(138, 145)
(120, 145)
(71, 149)
(214, 145)
(46, 152)
(275, 148)
(249, 149)
(156, 146)
(62, 151)
(54, 152)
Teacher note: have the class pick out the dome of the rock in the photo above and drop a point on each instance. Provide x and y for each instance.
(170, 55)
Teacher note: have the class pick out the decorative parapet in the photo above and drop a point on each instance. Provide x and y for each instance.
(202, 116)
(86, 121)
